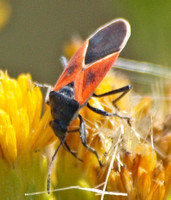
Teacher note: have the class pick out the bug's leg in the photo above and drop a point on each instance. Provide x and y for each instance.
(64, 61)
(72, 152)
(84, 141)
(42, 85)
(48, 87)
(51, 163)
(124, 90)
(104, 113)
(73, 131)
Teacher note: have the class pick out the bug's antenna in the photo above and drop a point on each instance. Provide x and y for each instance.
(51, 163)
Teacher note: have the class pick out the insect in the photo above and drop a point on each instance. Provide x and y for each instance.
(83, 73)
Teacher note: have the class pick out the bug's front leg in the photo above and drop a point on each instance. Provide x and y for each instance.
(71, 151)
(60, 131)
(84, 141)
(51, 163)
(48, 87)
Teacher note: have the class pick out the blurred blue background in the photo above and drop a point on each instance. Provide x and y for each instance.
(33, 36)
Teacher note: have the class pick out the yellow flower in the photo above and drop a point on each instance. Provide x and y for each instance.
(5, 12)
(139, 168)
(71, 47)
(22, 169)
(136, 157)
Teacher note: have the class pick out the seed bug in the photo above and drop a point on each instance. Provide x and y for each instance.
(83, 73)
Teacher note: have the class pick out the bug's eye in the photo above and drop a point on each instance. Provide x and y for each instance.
(107, 40)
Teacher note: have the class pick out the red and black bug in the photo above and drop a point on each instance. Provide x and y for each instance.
(82, 75)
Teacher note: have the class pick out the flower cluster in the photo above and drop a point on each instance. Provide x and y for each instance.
(23, 167)
(135, 155)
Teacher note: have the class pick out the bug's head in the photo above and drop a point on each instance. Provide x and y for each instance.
(58, 127)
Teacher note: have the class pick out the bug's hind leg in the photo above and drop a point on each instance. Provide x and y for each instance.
(123, 90)
(83, 139)
(71, 151)
(104, 113)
